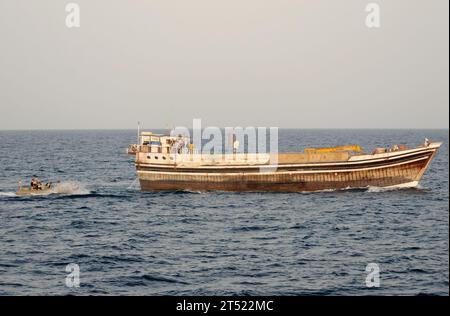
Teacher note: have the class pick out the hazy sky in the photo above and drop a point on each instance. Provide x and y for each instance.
(285, 63)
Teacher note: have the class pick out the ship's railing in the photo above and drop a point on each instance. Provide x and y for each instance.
(219, 159)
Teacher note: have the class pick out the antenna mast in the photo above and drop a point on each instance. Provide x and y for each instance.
(138, 133)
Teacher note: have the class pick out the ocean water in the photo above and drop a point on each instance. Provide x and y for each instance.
(128, 242)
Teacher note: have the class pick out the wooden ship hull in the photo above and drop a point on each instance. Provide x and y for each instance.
(293, 172)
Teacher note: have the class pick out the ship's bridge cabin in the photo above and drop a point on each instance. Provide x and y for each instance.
(160, 143)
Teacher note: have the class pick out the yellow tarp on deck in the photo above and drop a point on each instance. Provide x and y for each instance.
(355, 148)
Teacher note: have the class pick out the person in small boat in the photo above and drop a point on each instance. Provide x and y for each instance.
(36, 184)
(33, 184)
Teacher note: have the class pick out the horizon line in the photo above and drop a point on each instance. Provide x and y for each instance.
(281, 128)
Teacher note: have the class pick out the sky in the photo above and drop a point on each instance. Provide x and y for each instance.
(283, 63)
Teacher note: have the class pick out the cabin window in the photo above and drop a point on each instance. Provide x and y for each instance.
(164, 158)
(156, 157)
(149, 157)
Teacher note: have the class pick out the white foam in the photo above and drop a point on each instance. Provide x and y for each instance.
(7, 194)
(194, 191)
(69, 188)
(409, 185)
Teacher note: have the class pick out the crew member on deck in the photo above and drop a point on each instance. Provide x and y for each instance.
(235, 146)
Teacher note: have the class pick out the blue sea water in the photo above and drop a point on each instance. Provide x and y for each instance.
(128, 242)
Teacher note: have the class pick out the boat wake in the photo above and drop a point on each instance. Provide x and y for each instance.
(8, 194)
(70, 188)
(372, 189)
(387, 189)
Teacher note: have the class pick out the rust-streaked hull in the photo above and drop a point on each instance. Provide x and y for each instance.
(396, 170)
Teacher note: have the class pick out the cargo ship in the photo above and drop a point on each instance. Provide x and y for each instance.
(164, 162)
